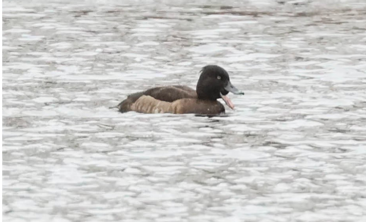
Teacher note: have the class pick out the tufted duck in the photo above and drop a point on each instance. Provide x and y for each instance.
(214, 83)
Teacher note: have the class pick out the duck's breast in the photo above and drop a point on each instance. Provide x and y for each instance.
(197, 106)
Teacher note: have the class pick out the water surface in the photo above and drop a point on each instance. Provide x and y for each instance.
(293, 150)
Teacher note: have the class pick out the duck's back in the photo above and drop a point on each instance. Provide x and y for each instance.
(156, 100)
(171, 93)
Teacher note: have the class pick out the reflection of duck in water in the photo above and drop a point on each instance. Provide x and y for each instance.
(214, 83)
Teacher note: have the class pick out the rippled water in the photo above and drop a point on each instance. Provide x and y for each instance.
(293, 150)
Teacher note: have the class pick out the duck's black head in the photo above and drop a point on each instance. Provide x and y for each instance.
(214, 83)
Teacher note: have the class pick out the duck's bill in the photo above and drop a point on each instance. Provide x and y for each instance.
(229, 87)
(227, 101)
(233, 90)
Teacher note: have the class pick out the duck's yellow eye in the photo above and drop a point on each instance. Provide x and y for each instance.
(218, 77)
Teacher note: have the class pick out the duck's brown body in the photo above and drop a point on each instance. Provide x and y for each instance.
(214, 83)
(170, 99)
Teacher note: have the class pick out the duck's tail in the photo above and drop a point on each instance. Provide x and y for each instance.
(125, 105)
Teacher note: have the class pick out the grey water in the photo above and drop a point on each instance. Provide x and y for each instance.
(294, 148)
